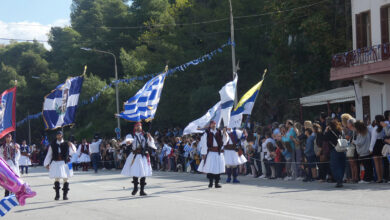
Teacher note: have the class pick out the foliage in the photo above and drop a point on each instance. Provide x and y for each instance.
(145, 35)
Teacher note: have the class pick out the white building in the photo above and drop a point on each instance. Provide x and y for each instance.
(368, 65)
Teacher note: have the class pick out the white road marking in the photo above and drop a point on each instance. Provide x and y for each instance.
(278, 213)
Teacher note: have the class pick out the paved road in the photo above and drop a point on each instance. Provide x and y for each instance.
(107, 195)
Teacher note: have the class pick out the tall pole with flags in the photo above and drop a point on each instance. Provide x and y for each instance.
(29, 128)
(233, 46)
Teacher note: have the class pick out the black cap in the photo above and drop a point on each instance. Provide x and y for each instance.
(59, 132)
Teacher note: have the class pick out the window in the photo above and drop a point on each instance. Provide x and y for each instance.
(363, 30)
(385, 24)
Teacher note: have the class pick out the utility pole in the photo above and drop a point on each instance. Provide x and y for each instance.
(233, 46)
(29, 128)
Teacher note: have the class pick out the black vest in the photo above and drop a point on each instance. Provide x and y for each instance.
(64, 151)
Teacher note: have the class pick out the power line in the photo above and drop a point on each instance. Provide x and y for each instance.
(201, 34)
(185, 24)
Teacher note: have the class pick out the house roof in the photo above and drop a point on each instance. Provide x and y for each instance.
(338, 95)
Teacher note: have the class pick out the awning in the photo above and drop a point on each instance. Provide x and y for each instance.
(339, 95)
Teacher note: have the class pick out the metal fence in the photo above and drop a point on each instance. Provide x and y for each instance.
(362, 56)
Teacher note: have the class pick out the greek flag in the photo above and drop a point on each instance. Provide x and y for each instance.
(187, 150)
(245, 105)
(143, 105)
(59, 107)
(7, 204)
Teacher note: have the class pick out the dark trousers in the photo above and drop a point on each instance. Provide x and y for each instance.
(193, 165)
(268, 164)
(323, 170)
(216, 177)
(385, 169)
(279, 169)
(95, 158)
(258, 163)
(337, 165)
(22, 169)
(368, 169)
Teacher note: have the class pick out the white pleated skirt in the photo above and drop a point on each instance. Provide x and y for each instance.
(139, 168)
(215, 164)
(84, 158)
(14, 167)
(232, 158)
(24, 161)
(59, 170)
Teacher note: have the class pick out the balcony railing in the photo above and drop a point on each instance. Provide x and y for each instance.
(362, 56)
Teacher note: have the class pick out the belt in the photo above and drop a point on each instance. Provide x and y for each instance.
(230, 147)
(214, 149)
(139, 151)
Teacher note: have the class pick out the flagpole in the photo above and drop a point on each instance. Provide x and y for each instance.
(233, 47)
(16, 85)
(29, 128)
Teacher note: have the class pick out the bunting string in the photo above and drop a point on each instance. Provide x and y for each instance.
(180, 68)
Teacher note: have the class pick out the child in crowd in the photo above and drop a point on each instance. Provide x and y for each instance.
(279, 159)
(270, 164)
(251, 161)
(286, 152)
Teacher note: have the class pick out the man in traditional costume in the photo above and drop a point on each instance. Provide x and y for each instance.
(24, 160)
(213, 161)
(233, 154)
(138, 162)
(56, 161)
(10, 152)
(83, 152)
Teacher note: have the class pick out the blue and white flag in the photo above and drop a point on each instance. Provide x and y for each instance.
(220, 111)
(143, 105)
(7, 111)
(7, 203)
(59, 107)
(227, 94)
(200, 124)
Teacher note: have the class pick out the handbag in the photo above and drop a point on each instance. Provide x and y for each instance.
(342, 143)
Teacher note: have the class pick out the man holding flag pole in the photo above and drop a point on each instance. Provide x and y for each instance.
(142, 106)
(59, 110)
(235, 136)
(213, 140)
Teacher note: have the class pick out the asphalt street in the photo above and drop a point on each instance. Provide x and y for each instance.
(107, 195)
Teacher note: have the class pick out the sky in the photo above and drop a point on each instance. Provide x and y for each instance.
(32, 19)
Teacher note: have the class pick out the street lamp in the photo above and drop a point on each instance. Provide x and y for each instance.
(116, 84)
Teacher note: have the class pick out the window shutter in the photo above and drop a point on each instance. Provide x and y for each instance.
(385, 25)
(359, 31)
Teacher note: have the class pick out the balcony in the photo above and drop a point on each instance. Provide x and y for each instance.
(360, 62)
